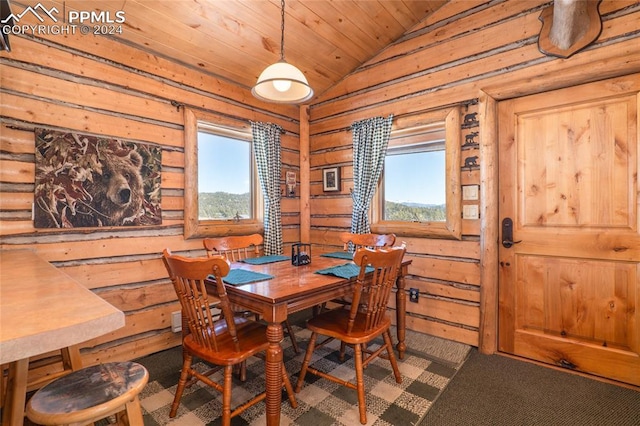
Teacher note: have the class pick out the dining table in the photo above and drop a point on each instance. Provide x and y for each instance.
(42, 309)
(291, 289)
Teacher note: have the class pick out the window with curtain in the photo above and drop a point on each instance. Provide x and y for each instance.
(418, 193)
(222, 193)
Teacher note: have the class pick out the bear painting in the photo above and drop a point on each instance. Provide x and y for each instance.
(90, 181)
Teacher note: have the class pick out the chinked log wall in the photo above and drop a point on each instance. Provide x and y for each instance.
(453, 57)
(97, 86)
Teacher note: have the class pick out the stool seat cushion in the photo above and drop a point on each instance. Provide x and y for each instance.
(88, 393)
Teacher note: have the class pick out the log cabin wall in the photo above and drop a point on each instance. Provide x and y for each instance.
(103, 88)
(455, 57)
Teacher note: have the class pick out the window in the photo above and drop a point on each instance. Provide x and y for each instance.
(222, 195)
(419, 192)
(224, 175)
(414, 182)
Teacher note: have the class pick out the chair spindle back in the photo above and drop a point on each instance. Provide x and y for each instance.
(353, 242)
(235, 247)
(188, 276)
(371, 296)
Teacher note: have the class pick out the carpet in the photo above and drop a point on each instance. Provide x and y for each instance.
(427, 368)
(494, 390)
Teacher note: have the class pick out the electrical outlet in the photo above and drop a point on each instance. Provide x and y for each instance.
(176, 318)
(176, 321)
(413, 295)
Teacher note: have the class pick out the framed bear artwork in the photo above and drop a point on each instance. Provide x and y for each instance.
(91, 181)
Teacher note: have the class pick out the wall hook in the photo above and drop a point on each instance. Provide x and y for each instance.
(177, 105)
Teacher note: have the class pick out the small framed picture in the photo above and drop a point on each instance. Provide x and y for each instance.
(331, 179)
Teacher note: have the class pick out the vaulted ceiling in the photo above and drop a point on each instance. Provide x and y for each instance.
(236, 39)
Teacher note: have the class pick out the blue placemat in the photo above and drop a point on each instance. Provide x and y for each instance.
(339, 254)
(242, 276)
(266, 259)
(348, 270)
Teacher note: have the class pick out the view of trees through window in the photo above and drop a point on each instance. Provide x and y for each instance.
(413, 187)
(224, 177)
(414, 183)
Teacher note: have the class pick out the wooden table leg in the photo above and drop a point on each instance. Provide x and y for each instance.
(274, 373)
(13, 410)
(401, 311)
(71, 359)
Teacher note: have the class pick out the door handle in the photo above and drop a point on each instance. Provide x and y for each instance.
(507, 233)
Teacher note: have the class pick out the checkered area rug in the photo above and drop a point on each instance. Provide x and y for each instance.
(427, 368)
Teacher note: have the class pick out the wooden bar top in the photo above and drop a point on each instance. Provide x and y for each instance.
(43, 309)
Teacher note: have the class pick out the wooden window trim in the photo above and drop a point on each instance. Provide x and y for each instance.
(193, 226)
(452, 227)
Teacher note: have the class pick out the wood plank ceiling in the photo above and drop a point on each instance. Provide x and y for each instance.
(236, 39)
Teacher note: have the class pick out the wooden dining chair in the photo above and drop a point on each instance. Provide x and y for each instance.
(373, 241)
(235, 247)
(239, 247)
(226, 342)
(355, 242)
(364, 321)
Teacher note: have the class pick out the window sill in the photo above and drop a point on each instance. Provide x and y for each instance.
(214, 228)
(418, 229)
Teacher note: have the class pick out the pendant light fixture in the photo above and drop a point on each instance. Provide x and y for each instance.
(282, 82)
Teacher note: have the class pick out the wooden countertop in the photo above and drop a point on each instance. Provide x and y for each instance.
(43, 309)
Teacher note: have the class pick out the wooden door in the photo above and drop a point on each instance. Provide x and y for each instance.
(569, 290)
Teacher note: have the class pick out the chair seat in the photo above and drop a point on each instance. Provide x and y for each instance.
(252, 338)
(333, 324)
(89, 394)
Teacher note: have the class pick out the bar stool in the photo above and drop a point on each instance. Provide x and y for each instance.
(91, 394)
(16, 382)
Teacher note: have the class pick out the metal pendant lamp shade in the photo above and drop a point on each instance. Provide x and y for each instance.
(282, 82)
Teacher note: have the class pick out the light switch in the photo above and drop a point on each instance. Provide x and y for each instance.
(470, 211)
(470, 192)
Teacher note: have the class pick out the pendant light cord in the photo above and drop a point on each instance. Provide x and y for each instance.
(282, 33)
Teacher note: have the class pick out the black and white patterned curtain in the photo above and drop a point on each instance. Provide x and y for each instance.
(370, 140)
(266, 148)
